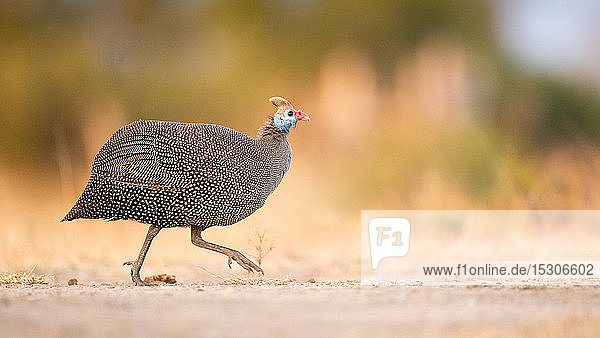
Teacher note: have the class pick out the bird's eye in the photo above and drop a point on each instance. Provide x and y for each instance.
(290, 113)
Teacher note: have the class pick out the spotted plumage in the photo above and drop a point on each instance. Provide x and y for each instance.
(172, 174)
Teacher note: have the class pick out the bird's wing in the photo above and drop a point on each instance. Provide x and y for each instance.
(166, 155)
(141, 154)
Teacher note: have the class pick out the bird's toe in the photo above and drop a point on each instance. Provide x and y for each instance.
(141, 282)
(246, 263)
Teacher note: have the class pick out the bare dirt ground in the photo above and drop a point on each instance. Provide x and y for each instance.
(289, 308)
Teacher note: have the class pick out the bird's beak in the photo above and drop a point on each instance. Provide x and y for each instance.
(302, 116)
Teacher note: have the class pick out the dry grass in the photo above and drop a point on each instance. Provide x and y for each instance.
(247, 281)
(23, 278)
(259, 281)
(287, 281)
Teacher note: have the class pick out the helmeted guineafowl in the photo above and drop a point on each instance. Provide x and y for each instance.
(172, 174)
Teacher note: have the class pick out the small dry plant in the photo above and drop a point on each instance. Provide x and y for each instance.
(261, 244)
(22, 278)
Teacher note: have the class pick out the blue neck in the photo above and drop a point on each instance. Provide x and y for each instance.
(282, 124)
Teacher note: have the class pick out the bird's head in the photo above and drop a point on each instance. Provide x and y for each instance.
(286, 116)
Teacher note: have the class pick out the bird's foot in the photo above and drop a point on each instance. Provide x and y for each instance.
(244, 262)
(135, 277)
(139, 282)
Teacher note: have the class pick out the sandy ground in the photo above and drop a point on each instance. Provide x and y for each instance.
(288, 308)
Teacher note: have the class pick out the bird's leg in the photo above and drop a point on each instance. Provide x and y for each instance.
(137, 264)
(235, 255)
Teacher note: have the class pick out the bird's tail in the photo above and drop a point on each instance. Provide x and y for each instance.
(79, 210)
(75, 213)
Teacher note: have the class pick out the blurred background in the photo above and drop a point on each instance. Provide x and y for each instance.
(414, 104)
